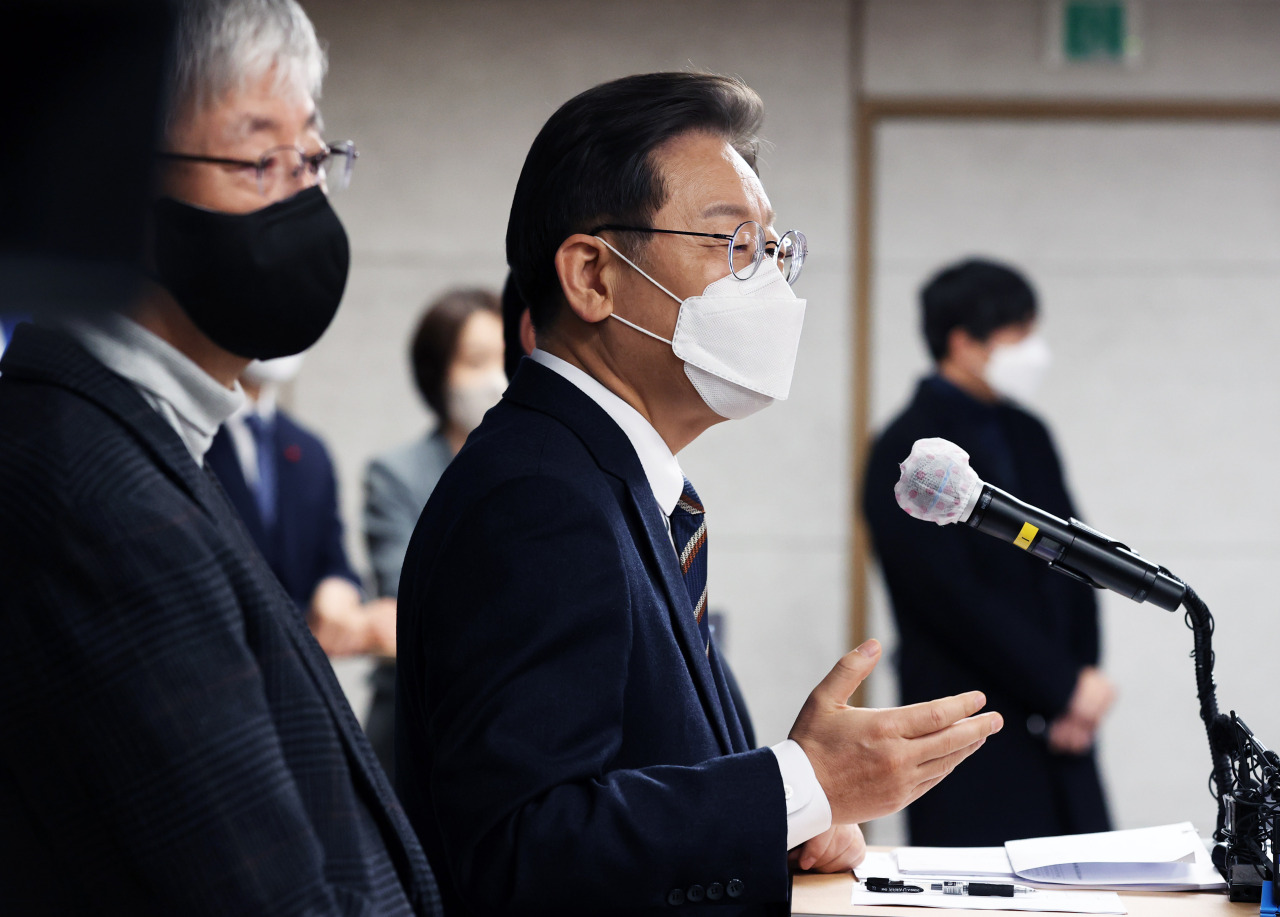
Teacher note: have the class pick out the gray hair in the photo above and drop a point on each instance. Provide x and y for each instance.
(220, 45)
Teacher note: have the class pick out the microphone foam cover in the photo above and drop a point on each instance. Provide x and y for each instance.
(937, 484)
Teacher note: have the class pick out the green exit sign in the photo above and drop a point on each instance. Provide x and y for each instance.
(1096, 31)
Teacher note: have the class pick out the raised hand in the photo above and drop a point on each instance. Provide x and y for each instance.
(873, 762)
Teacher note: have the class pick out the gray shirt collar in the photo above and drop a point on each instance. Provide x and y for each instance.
(189, 399)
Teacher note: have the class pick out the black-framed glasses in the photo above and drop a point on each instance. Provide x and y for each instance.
(747, 247)
(283, 170)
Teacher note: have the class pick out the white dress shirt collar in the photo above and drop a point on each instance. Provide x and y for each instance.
(666, 480)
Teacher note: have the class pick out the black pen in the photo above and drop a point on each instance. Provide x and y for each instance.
(877, 884)
(984, 889)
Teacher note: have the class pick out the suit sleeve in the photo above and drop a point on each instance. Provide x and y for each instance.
(136, 724)
(937, 589)
(390, 515)
(523, 640)
(333, 560)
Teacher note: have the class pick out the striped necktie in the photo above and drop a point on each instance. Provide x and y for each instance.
(689, 534)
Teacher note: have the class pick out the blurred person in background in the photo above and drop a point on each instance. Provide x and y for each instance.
(972, 614)
(173, 739)
(281, 480)
(457, 360)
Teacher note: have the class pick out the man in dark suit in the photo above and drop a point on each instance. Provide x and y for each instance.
(172, 739)
(280, 478)
(566, 740)
(973, 613)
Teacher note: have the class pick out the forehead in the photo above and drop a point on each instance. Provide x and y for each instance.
(708, 180)
(264, 107)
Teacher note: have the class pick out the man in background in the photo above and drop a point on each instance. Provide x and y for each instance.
(280, 478)
(566, 739)
(972, 614)
(172, 738)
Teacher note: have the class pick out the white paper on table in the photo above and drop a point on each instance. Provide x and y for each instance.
(1165, 858)
(1072, 902)
(954, 862)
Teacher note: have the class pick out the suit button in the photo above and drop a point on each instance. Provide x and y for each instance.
(675, 897)
(715, 891)
(695, 894)
(735, 888)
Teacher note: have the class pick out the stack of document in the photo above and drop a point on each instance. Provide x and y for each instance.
(1168, 858)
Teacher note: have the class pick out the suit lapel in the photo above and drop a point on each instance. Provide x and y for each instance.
(682, 621)
(544, 390)
(225, 463)
(52, 357)
(733, 720)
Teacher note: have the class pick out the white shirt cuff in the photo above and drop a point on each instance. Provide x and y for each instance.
(808, 812)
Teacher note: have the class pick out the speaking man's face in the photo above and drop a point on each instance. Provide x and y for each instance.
(712, 189)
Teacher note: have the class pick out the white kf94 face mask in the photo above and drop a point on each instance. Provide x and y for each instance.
(738, 340)
(1016, 371)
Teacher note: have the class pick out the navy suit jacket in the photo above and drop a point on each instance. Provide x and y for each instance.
(976, 614)
(565, 743)
(172, 739)
(305, 545)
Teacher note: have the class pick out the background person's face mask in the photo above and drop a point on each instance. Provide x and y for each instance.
(259, 285)
(276, 371)
(738, 340)
(468, 402)
(1016, 371)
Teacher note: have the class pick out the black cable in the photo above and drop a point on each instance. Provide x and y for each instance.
(1216, 726)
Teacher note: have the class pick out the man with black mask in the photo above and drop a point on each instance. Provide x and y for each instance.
(172, 739)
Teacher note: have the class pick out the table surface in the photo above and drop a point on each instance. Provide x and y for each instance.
(815, 894)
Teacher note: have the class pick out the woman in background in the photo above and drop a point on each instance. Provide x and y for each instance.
(457, 356)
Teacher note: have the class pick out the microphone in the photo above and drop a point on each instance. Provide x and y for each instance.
(937, 485)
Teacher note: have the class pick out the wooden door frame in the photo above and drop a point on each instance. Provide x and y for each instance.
(870, 113)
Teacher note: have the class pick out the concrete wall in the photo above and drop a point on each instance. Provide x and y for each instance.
(445, 98)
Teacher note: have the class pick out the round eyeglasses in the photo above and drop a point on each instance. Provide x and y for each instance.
(748, 247)
(284, 170)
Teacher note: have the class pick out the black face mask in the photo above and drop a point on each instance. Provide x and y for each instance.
(259, 285)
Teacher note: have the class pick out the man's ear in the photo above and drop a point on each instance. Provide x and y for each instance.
(962, 346)
(528, 337)
(580, 265)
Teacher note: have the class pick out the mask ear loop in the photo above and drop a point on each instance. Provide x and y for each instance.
(637, 269)
(633, 325)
